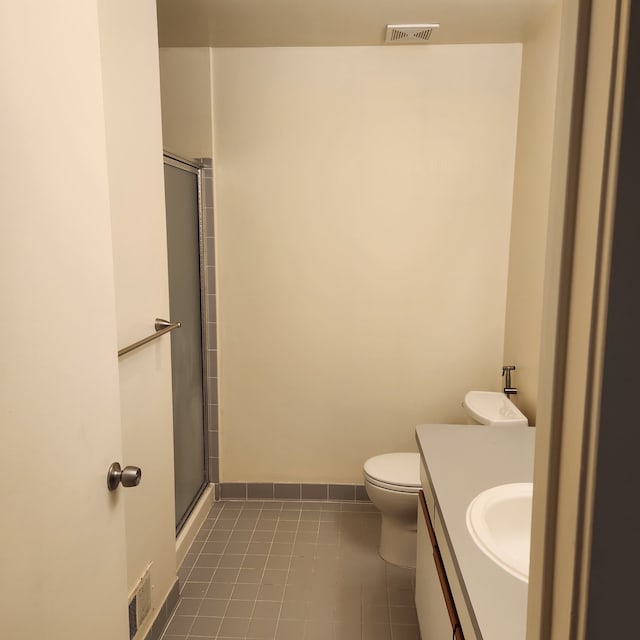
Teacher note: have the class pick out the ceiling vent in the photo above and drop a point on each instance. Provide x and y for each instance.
(409, 33)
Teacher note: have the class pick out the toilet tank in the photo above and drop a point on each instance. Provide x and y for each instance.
(492, 408)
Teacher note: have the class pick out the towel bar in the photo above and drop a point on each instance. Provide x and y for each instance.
(162, 327)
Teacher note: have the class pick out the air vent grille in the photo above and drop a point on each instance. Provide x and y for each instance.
(409, 33)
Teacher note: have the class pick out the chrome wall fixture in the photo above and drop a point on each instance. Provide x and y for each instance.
(162, 327)
(506, 374)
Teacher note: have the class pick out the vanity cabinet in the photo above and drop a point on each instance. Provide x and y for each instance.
(435, 602)
(457, 463)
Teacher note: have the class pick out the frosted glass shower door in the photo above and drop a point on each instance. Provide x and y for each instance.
(185, 302)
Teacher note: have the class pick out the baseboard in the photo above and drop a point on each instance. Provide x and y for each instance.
(292, 491)
(164, 612)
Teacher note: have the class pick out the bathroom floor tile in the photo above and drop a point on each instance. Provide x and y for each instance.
(213, 608)
(292, 571)
(262, 629)
(205, 626)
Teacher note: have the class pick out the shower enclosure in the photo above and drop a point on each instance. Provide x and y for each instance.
(187, 297)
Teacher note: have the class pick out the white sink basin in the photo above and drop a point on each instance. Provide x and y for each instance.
(499, 520)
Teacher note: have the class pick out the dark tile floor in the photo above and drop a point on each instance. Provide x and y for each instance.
(292, 571)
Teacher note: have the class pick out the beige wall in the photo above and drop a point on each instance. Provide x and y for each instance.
(531, 205)
(136, 190)
(363, 208)
(186, 101)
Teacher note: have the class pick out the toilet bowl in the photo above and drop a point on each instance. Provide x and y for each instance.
(392, 481)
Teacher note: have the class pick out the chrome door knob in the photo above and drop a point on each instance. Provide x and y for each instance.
(129, 476)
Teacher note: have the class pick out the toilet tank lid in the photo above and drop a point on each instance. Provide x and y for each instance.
(493, 407)
(402, 469)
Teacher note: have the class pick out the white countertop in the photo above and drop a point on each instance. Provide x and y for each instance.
(462, 461)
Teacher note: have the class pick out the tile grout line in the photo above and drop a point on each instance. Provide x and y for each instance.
(235, 522)
(279, 617)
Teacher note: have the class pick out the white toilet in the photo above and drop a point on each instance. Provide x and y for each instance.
(392, 480)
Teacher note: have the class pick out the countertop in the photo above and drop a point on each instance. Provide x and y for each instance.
(462, 461)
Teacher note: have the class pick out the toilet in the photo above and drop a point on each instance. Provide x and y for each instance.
(392, 480)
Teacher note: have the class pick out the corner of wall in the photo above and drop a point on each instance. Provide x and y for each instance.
(211, 100)
(531, 193)
(185, 89)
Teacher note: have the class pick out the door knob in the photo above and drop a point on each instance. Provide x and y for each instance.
(129, 476)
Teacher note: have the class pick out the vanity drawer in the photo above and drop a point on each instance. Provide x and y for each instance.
(454, 584)
(432, 586)
(433, 617)
(448, 598)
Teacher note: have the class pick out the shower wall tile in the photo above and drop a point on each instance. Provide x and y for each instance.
(210, 253)
(207, 225)
(212, 329)
(207, 185)
(211, 307)
(213, 390)
(210, 229)
(211, 320)
(213, 444)
(214, 466)
(211, 279)
(213, 418)
(212, 363)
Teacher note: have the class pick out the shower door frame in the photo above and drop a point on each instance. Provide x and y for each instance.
(195, 167)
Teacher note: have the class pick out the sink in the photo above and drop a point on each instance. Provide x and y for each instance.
(499, 521)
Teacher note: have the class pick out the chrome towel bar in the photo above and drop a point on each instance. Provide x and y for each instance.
(162, 327)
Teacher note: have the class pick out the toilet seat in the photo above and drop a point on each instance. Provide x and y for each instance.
(394, 472)
(399, 488)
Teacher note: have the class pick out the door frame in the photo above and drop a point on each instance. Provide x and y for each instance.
(586, 145)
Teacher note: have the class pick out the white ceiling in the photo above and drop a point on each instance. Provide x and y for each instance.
(279, 23)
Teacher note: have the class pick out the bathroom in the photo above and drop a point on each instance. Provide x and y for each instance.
(118, 136)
